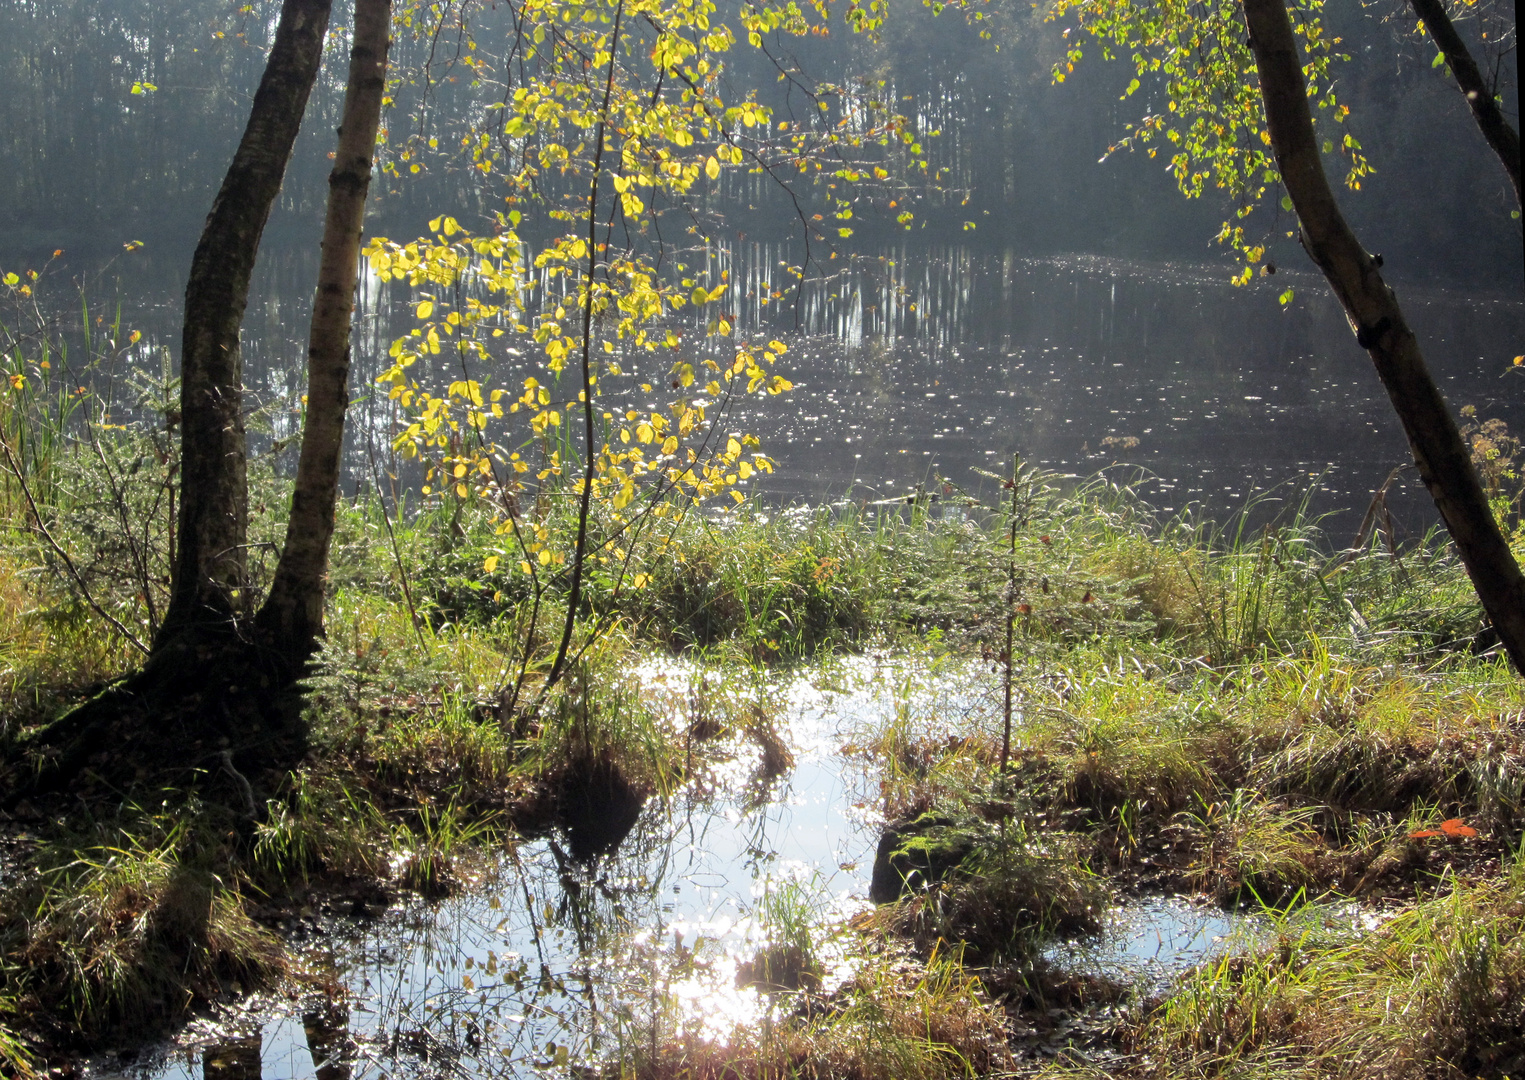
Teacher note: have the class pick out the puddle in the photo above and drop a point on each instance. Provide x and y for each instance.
(547, 965)
(1150, 941)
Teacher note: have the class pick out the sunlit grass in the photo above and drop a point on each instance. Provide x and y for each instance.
(1265, 717)
(928, 1022)
(1438, 985)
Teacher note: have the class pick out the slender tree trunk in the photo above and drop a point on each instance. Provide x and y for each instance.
(210, 571)
(1372, 308)
(292, 616)
(1490, 120)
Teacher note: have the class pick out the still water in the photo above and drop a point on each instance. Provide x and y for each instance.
(548, 962)
(919, 365)
(545, 964)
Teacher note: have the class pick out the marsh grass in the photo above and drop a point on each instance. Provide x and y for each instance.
(1317, 754)
(130, 930)
(1244, 706)
(922, 1021)
(996, 891)
(1249, 847)
(788, 958)
(1435, 990)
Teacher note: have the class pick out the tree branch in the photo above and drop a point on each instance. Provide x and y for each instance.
(1485, 110)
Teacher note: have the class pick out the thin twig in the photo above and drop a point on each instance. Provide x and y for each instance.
(580, 551)
(1011, 612)
(402, 573)
(79, 580)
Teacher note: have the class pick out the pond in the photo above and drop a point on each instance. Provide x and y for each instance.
(543, 964)
(917, 366)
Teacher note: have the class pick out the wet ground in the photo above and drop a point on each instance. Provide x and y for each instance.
(541, 963)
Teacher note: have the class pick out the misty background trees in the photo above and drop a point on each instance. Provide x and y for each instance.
(95, 165)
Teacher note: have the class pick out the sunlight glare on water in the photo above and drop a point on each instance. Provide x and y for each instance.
(549, 963)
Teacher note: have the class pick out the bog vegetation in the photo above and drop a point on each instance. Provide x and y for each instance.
(1252, 713)
(1249, 713)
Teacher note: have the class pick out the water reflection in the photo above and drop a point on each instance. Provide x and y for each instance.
(930, 361)
(555, 961)
(236, 1059)
(1149, 941)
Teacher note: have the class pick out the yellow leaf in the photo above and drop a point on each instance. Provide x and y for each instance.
(425, 309)
(489, 564)
(544, 557)
(712, 168)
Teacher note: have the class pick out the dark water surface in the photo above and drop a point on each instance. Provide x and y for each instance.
(926, 363)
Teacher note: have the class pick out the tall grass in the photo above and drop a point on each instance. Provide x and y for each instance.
(115, 934)
(1435, 990)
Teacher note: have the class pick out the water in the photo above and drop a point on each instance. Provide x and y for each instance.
(923, 365)
(1166, 374)
(921, 354)
(540, 963)
(1148, 942)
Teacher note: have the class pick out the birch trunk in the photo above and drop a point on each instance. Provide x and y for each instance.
(1372, 309)
(292, 616)
(210, 575)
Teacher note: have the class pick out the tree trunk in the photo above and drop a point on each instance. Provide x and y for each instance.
(1490, 120)
(211, 569)
(1372, 308)
(292, 616)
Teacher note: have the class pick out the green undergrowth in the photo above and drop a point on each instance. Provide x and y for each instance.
(117, 919)
(1274, 777)
(1251, 715)
(993, 891)
(1437, 989)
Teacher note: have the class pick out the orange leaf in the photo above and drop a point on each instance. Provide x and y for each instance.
(1455, 829)
(1423, 834)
